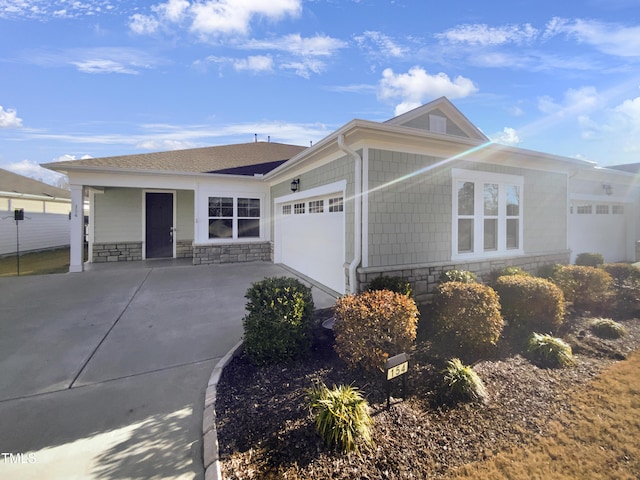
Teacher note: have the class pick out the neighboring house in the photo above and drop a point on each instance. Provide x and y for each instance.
(419, 194)
(46, 209)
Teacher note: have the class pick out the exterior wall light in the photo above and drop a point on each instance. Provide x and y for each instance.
(607, 188)
(295, 184)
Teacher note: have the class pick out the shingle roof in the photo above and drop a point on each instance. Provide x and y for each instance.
(12, 182)
(194, 160)
(628, 167)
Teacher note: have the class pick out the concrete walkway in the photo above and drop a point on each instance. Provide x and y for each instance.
(103, 373)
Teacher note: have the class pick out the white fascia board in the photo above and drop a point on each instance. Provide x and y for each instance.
(30, 196)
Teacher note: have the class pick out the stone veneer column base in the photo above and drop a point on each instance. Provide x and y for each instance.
(425, 277)
(231, 253)
(116, 252)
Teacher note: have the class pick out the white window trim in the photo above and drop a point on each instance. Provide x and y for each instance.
(234, 238)
(479, 178)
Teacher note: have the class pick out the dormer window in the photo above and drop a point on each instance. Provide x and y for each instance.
(437, 124)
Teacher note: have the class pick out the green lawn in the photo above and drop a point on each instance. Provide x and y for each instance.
(37, 263)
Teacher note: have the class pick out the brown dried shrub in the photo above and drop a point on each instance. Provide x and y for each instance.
(373, 326)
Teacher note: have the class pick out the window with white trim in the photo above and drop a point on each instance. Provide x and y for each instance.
(585, 209)
(298, 208)
(617, 209)
(286, 209)
(336, 205)
(602, 209)
(234, 218)
(437, 123)
(316, 206)
(487, 211)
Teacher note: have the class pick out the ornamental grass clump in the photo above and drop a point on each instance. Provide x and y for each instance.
(607, 328)
(277, 325)
(372, 326)
(462, 276)
(462, 384)
(342, 417)
(548, 351)
(468, 314)
(530, 304)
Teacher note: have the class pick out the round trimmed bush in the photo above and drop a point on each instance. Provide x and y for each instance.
(469, 312)
(395, 284)
(588, 259)
(462, 276)
(587, 288)
(277, 325)
(626, 285)
(506, 272)
(530, 303)
(373, 326)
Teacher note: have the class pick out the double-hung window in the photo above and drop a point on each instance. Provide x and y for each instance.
(487, 214)
(234, 217)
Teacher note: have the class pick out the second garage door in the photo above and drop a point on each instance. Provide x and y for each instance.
(310, 238)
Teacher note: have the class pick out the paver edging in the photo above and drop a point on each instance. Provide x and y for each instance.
(209, 433)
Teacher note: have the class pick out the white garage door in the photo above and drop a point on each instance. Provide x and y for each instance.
(598, 228)
(310, 238)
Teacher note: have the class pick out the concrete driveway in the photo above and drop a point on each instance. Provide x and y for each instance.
(103, 373)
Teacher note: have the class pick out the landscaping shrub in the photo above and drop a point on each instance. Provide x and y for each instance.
(587, 259)
(461, 383)
(626, 285)
(506, 272)
(588, 288)
(394, 284)
(607, 328)
(276, 327)
(341, 416)
(470, 313)
(372, 326)
(548, 271)
(548, 351)
(461, 276)
(530, 303)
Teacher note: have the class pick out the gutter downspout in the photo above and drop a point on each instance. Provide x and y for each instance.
(357, 222)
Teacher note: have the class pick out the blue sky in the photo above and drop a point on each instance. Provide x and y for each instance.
(92, 78)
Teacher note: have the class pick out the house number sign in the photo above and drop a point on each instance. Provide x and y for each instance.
(395, 367)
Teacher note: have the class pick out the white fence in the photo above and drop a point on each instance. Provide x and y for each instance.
(38, 231)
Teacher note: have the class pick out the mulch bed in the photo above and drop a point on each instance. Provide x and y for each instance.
(265, 429)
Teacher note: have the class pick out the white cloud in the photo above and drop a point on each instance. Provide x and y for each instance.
(316, 46)
(9, 118)
(508, 136)
(383, 45)
(255, 64)
(213, 18)
(483, 35)
(46, 9)
(128, 61)
(31, 169)
(574, 102)
(609, 38)
(305, 67)
(416, 86)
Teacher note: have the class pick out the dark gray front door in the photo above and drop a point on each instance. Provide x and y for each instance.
(159, 225)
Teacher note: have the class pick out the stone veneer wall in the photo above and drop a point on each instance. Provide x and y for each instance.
(231, 253)
(424, 278)
(116, 252)
(184, 249)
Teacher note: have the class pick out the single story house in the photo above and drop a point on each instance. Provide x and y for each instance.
(46, 210)
(423, 192)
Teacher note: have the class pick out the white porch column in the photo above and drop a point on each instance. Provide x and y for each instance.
(76, 263)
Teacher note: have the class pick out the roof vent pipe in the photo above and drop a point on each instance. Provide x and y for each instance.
(268, 138)
(255, 137)
(357, 221)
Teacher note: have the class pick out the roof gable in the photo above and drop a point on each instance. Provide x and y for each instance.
(12, 182)
(454, 123)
